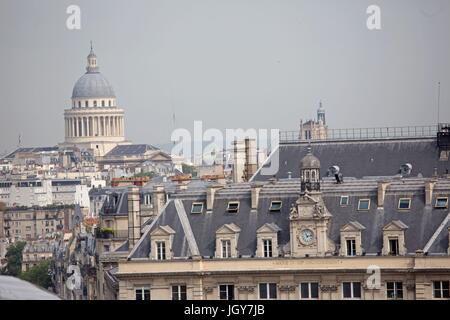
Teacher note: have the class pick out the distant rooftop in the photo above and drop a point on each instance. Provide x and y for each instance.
(32, 149)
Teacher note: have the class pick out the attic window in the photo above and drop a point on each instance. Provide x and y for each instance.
(275, 206)
(441, 202)
(197, 207)
(344, 201)
(364, 204)
(233, 206)
(404, 203)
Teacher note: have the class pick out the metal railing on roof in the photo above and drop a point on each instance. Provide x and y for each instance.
(365, 133)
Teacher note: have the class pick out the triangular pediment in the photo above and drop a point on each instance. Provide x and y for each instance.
(395, 225)
(353, 226)
(306, 199)
(159, 156)
(228, 228)
(162, 231)
(268, 228)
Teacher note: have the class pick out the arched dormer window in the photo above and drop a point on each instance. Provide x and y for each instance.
(103, 103)
(95, 103)
(79, 104)
(86, 104)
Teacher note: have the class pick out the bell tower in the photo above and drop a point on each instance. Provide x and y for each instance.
(309, 218)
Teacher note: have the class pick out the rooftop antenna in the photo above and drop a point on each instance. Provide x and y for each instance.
(439, 102)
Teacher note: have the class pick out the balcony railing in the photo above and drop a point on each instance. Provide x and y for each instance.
(365, 133)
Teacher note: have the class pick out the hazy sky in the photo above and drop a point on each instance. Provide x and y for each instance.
(230, 63)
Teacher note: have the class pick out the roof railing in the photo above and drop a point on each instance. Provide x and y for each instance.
(366, 133)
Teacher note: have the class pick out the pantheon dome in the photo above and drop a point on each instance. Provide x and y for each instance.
(94, 121)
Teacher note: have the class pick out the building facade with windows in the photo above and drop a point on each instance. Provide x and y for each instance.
(300, 238)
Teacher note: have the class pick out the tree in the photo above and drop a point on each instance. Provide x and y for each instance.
(14, 259)
(187, 169)
(39, 274)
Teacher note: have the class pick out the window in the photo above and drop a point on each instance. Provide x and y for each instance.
(351, 290)
(226, 292)
(393, 246)
(441, 289)
(179, 292)
(79, 104)
(344, 201)
(351, 247)
(147, 199)
(233, 207)
(267, 247)
(103, 103)
(95, 103)
(226, 248)
(86, 104)
(441, 202)
(160, 250)
(267, 290)
(142, 293)
(404, 203)
(197, 207)
(309, 290)
(109, 103)
(394, 290)
(275, 206)
(364, 204)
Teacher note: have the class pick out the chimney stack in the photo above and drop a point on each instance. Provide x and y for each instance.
(159, 198)
(382, 186)
(429, 186)
(134, 216)
(210, 193)
(238, 161)
(251, 163)
(256, 188)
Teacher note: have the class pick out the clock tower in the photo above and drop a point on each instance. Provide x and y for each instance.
(309, 217)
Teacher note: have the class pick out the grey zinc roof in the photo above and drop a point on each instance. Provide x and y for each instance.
(131, 149)
(362, 158)
(32, 149)
(422, 221)
(92, 85)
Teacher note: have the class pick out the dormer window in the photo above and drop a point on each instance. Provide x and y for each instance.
(404, 203)
(197, 207)
(364, 204)
(394, 238)
(267, 247)
(86, 104)
(344, 201)
(226, 248)
(95, 103)
(275, 206)
(233, 207)
(393, 246)
(160, 250)
(103, 103)
(226, 241)
(441, 203)
(161, 240)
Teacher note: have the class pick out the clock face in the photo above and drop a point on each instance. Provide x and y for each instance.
(307, 236)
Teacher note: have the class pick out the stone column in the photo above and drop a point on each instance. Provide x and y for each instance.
(103, 126)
